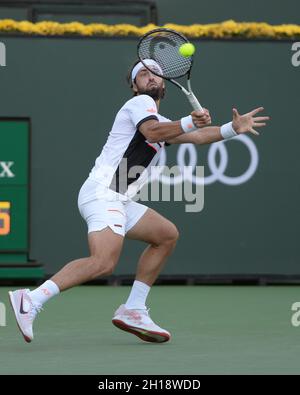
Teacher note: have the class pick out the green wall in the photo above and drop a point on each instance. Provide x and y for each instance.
(72, 88)
(210, 11)
(192, 11)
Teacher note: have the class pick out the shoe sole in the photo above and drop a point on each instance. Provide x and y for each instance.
(11, 300)
(148, 336)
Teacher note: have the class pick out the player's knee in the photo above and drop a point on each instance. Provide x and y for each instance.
(174, 234)
(108, 270)
(102, 267)
(171, 236)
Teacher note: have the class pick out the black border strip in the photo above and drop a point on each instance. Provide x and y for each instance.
(145, 120)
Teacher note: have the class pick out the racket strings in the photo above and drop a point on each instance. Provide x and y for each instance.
(164, 49)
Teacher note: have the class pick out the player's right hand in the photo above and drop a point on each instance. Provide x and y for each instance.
(201, 119)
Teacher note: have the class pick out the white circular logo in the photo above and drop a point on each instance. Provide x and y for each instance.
(217, 171)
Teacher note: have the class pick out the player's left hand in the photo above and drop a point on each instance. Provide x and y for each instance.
(246, 122)
(201, 119)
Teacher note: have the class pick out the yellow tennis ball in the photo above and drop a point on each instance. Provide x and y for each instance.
(187, 49)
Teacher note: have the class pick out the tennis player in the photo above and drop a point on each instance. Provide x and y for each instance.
(105, 202)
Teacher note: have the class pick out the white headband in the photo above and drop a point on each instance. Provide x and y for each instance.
(139, 66)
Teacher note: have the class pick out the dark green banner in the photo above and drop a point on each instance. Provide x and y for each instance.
(14, 179)
(72, 89)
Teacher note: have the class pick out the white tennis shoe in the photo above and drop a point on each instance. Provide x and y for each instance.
(138, 322)
(25, 311)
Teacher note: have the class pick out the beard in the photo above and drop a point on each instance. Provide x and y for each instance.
(155, 91)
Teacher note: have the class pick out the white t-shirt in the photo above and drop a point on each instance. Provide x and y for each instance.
(126, 159)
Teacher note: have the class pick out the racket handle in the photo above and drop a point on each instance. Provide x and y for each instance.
(194, 102)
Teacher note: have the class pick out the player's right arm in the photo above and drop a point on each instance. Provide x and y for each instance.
(155, 131)
(142, 111)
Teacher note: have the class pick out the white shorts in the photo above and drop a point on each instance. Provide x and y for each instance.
(100, 207)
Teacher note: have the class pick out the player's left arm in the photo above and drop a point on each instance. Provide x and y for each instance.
(206, 135)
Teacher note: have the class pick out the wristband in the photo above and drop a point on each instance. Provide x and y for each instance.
(187, 124)
(227, 131)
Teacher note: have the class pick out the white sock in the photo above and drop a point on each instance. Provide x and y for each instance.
(138, 296)
(45, 292)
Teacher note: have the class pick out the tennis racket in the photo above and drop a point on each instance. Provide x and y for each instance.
(162, 45)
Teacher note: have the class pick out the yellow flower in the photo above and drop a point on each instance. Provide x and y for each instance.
(226, 29)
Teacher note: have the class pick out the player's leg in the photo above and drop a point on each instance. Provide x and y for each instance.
(105, 247)
(106, 220)
(106, 229)
(161, 235)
